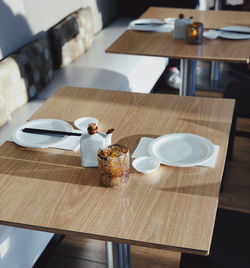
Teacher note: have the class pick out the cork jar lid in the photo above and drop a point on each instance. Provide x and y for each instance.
(92, 128)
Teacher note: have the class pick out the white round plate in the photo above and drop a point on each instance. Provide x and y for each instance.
(38, 140)
(154, 25)
(181, 149)
(82, 123)
(146, 164)
(148, 21)
(236, 36)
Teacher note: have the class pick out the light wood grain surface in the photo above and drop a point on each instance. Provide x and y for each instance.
(164, 45)
(173, 208)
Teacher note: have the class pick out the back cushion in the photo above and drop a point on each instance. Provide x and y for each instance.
(35, 64)
(12, 85)
(71, 37)
(24, 74)
(86, 26)
(4, 114)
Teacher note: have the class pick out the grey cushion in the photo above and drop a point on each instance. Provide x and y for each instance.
(71, 37)
(35, 65)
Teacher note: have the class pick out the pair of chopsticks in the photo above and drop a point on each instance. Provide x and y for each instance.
(50, 132)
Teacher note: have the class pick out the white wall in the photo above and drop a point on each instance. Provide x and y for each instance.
(14, 29)
(22, 21)
(42, 14)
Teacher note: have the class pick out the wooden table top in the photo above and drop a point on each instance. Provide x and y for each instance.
(173, 208)
(164, 45)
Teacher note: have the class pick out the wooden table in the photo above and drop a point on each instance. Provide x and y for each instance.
(164, 45)
(173, 208)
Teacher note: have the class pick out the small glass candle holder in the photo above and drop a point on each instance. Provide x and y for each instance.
(113, 161)
(195, 33)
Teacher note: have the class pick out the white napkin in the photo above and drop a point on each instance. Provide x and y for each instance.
(164, 27)
(141, 150)
(72, 143)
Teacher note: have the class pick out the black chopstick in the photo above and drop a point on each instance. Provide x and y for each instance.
(50, 132)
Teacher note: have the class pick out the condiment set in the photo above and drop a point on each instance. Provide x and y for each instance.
(186, 29)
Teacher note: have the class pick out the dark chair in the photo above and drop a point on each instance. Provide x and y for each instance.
(240, 91)
(230, 244)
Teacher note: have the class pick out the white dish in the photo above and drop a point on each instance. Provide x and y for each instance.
(82, 123)
(146, 164)
(243, 29)
(38, 140)
(211, 34)
(148, 21)
(181, 149)
(152, 25)
(236, 36)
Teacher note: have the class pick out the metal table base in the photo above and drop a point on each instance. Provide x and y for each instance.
(117, 255)
(188, 77)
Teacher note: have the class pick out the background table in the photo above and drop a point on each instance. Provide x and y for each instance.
(164, 45)
(173, 208)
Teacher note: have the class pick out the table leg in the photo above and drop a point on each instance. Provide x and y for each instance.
(126, 256)
(118, 255)
(217, 4)
(188, 77)
(215, 71)
(215, 66)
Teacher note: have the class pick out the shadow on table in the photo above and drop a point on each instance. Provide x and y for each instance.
(53, 165)
(198, 189)
(216, 125)
(47, 172)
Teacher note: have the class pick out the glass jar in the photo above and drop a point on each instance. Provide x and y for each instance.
(113, 162)
(195, 33)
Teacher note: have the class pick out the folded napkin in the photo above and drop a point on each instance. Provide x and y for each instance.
(72, 143)
(142, 150)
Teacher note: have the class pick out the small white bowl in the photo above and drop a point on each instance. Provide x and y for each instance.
(146, 164)
(170, 20)
(82, 123)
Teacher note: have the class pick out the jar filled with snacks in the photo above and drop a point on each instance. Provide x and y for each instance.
(113, 162)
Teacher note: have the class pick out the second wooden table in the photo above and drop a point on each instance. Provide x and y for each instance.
(164, 45)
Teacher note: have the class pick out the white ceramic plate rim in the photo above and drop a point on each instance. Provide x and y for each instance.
(236, 36)
(162, 27)
(209, 155)
(35, 124)
(147, 158)
(236, 28)
(149, 21)
(78, 121)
